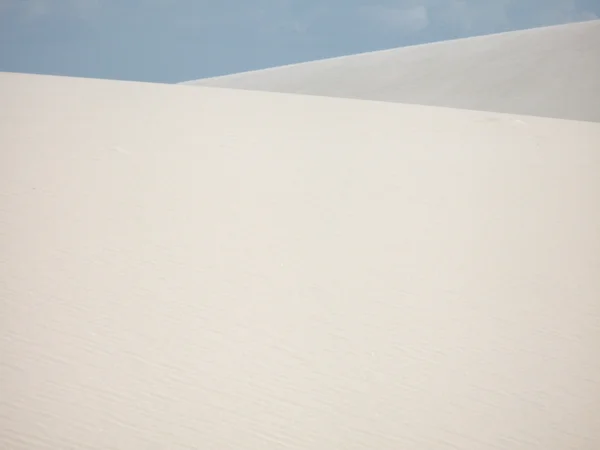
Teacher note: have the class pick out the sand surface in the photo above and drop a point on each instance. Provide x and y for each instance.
(224, 269)
(550, 72)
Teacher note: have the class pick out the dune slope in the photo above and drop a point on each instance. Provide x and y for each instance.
(211, 268)
(550, 72)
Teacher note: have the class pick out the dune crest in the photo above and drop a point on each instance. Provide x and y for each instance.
(550, 72)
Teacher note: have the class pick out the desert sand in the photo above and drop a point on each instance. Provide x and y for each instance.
(550, 72)
(189, 268)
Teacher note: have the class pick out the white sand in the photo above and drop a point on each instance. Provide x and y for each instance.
(551, 72)
(219, 269)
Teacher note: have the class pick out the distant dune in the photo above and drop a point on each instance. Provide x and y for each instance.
(224, 269)
(550, 72)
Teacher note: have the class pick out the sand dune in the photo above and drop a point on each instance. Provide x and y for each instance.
(550, 72)
(223, 269)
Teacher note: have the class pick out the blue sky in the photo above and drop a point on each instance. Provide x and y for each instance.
(176, 40)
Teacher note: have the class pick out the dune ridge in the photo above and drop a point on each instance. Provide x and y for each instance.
(549, 71)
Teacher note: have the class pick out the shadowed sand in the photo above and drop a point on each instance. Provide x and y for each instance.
(550, 72)
(224, 269)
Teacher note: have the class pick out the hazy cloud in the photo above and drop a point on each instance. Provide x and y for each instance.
(40, 9)
(469, 17)
(450, 17)
(406, 19)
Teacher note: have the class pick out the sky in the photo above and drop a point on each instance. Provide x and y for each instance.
(169, 41)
